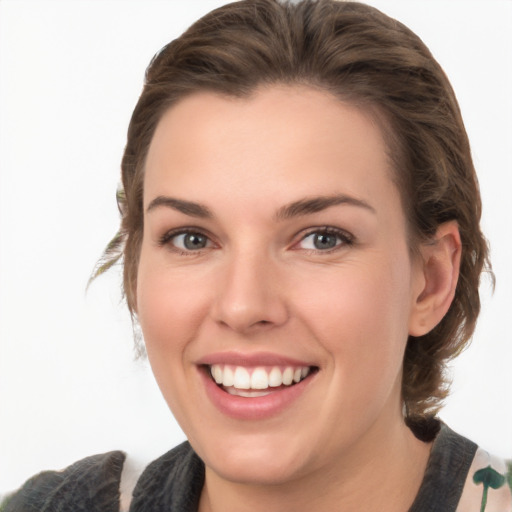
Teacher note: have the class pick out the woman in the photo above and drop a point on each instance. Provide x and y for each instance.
(301, 246)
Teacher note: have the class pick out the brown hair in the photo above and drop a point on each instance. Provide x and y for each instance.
(361, 56)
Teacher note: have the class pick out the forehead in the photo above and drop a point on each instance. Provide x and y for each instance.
(296, 138)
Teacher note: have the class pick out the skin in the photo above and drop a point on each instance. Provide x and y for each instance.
(261, 285)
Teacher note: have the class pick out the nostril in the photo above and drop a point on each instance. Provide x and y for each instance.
(260, 323)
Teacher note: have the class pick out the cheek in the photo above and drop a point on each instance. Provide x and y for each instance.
(170, 306)
(360, 316)
(170, 312)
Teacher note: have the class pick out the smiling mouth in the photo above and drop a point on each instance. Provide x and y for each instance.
(257, 381)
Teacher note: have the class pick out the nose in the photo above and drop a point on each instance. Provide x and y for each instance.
(250, 294)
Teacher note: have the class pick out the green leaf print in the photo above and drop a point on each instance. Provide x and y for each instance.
(489, 478)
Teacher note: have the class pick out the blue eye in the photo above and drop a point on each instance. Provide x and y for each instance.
(187, 241)
(324, 240)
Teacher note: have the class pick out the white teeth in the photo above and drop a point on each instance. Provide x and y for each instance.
(242, 379)
(247, 393)
(259, 378)
(275, 378)
(217, 374)
(288, 376)
(229, 377)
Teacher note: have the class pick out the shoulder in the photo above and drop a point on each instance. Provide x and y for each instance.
(488, 485)
(172, 482)
(91, 484)
(461, 477)
(112, 482)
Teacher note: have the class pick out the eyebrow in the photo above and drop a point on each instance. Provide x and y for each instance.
(186, 207)
(306, 206)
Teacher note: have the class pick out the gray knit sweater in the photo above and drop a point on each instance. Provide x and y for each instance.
(173, 483)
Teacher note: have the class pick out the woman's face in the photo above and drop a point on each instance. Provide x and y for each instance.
(275, 249)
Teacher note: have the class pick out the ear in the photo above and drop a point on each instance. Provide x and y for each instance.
(438, 272)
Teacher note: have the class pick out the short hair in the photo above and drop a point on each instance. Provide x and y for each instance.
(363, 57)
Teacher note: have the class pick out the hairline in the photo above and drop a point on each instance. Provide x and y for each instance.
(374, 110)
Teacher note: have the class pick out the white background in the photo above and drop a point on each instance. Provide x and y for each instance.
(70, 74)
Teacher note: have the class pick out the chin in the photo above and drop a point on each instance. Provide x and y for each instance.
(255, 461)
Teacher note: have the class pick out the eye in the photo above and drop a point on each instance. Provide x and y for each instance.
(324, 240)
(186, 241)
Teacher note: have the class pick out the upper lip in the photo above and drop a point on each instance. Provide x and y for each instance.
(251, 359)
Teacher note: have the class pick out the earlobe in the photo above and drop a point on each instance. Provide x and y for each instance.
(440, 263)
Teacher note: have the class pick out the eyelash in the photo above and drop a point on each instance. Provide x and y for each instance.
(345, 239)
(167, 238)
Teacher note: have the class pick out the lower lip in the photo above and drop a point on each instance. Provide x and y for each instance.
(255, 408)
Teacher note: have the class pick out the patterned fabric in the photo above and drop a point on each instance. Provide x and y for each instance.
(459, 478)
(488, 486)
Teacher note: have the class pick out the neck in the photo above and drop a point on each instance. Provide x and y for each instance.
(384, 475)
